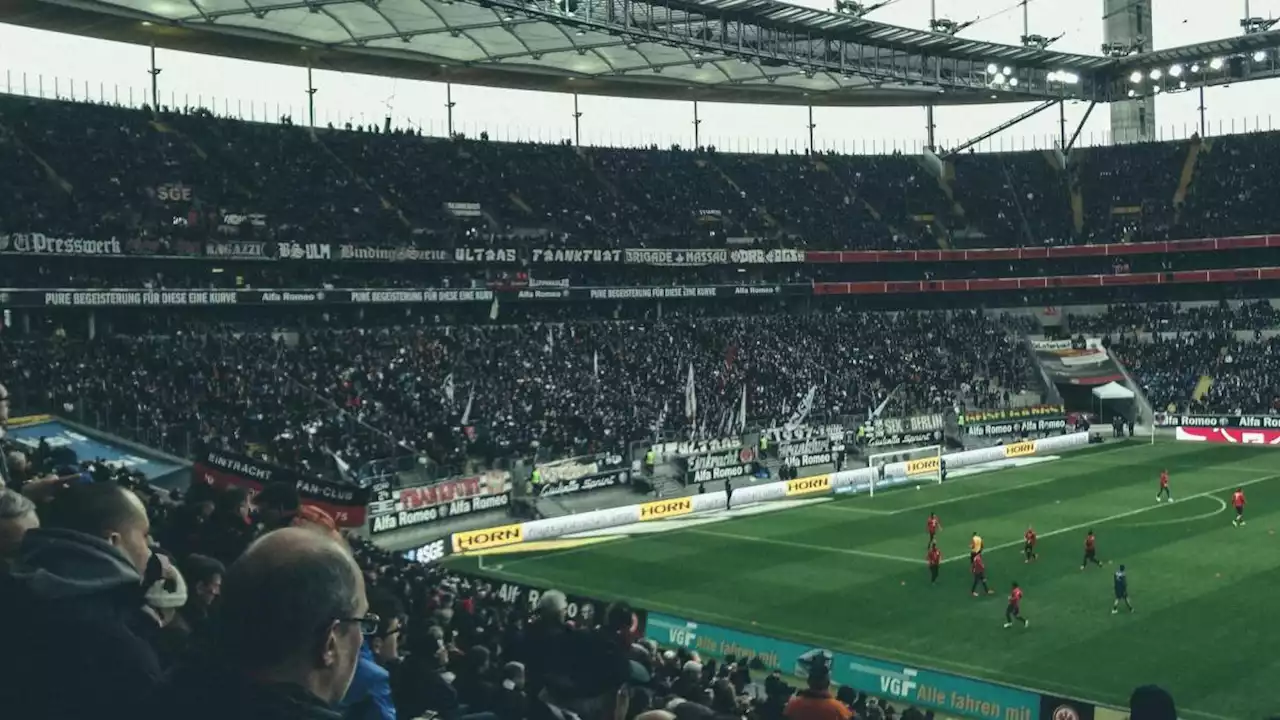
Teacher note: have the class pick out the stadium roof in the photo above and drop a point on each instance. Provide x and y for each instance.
(755, 51)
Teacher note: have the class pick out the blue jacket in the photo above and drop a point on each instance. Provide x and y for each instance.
(369, 697)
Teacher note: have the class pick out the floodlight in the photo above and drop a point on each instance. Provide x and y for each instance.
(1135, 77)
(1156, 74)
(1195, 67)
(1182, 84)
(998, 79)
(1215, 64)
(992, 69)
(1007, 70)
(1259, 56)
(1132, 92)
(1157, 89)
(1013, 82)
(1175, 71)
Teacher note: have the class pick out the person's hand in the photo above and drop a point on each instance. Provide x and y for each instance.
(43, 489)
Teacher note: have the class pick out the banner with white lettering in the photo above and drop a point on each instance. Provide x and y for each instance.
(41, 244)
(645, 256)
(723, 465)
(304, 251)
(246, 250)
(1248, 422)
(392, 254)
(345, 503)
(407, 507)
(567, 255)
(579, 474)
(1016, 426)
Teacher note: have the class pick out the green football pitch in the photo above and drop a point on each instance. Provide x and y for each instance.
(850, 574)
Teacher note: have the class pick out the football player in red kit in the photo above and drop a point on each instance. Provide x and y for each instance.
(933, 525)
(1090, 551)
(934, 558)
(1029, 545)
(979, 570)
(1014, 610)
(1237, 501)
(1163, 493)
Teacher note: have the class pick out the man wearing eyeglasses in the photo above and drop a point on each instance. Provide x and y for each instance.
(292, 620)
(369, 697)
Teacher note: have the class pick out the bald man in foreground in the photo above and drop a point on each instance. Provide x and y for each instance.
(292, 619)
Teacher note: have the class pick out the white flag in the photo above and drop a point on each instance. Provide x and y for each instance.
(742, 411)
(802, 412)
(690, 397)
(595, 364)
(493, 309)
(466, 414)
(448, 387)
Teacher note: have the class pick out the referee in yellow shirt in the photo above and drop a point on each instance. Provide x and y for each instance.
(975, 547)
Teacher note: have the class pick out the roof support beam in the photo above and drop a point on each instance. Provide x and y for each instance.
(1071, 143)
(1002, 127)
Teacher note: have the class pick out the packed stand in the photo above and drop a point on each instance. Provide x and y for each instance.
(103, 172)
(1020, 198)
(1168, 317)
(504, 391)
(1169, 348)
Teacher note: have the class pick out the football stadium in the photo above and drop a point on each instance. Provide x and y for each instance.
(638, 360)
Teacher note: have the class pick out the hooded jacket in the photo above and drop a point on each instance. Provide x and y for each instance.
(65, 613)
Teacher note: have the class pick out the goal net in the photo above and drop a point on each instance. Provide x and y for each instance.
(907, 466)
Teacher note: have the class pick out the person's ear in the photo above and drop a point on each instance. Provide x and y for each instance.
(115, 539)
(330, 646)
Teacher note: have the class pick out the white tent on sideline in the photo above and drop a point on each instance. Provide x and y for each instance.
(1113, 391)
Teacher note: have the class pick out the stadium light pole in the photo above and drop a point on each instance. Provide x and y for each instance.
(311, 98)
(154, 72)
(697, 122)
(812, 150)
(448, 104)
(577, 123)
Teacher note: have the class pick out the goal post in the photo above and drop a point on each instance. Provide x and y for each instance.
(917, 465)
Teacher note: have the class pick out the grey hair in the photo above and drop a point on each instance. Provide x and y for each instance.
(280, 596)
(553, 601)
(14, 505)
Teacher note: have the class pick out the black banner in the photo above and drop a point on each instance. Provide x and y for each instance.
(583, 612)
(431, 553)
(1053, 707)
(639, 256)
(392, 254)
(419, 505)
(1070, 364)
(41, 244)
(245, 250)
(1268, 422)
(346, 503)
(69, 297)
(810, 452)
(579, 474)
(895, 439)
(567, 255)
(304, 251)
(723, 465)
(1017, 427)
(162, 248)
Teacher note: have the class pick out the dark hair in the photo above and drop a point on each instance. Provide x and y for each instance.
(199, 568)
(280, 496)
(97, 509)
(277, 601)
(228, 501)
(386, 606)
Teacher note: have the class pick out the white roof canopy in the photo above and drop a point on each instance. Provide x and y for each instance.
(1113, 391)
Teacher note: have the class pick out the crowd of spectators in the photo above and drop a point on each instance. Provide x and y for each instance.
(499, 391)
(1169, 348)
(120, 600)
(105, 172)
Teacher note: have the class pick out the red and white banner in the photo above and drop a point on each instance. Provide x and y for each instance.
(1234, 436)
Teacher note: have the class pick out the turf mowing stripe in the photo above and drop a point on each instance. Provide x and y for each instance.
(804, 546)
(968, 669)
(1119, 516)
(985, 493)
